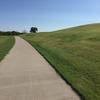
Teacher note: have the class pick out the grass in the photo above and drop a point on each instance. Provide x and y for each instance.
(6, 43)
(75, 54)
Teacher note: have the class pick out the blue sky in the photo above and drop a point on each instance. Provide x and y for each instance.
(48, 15)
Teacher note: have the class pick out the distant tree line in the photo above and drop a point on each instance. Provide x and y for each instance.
(8, 33)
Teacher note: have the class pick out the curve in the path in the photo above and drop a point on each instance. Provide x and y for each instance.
(26, 75)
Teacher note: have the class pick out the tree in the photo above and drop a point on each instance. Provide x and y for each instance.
(34, 29)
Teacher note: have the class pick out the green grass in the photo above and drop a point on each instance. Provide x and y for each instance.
(75, 54)
(6, 43)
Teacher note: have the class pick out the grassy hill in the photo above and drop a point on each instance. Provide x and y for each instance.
(75, 54)
(6, 43)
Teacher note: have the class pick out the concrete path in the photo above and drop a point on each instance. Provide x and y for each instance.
(25, 75)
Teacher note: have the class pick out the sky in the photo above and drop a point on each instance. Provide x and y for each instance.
(47, 15)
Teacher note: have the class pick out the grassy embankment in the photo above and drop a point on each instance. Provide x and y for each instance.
(6, 43)
(75, 54)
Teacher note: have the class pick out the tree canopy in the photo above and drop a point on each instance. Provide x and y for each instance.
(33, 29)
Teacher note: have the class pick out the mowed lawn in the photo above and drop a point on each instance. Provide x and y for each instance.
(75, 54)
(6, 43)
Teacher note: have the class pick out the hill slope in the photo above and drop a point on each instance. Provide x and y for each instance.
(75, 54)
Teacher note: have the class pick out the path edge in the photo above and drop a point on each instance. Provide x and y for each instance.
(74, 89)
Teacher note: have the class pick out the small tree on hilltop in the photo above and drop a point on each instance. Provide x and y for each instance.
(34, 29)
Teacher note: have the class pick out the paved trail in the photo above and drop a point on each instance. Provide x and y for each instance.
(25, 75)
